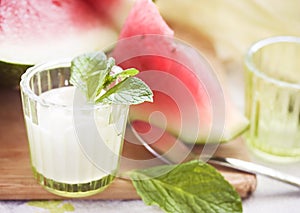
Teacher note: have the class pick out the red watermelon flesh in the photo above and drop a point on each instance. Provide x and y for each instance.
(104, 8)
(32, 31)
(145, 17)
(182, 101)
(113, 11)
(188, 97)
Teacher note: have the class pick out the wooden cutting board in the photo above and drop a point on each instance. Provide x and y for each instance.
(17, 182)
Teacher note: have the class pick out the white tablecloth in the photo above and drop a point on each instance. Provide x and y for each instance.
(273, 196)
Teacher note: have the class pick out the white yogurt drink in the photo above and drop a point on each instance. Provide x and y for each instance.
(75, 147)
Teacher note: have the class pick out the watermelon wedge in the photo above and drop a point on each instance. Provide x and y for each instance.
(188, 98)
(33, 31)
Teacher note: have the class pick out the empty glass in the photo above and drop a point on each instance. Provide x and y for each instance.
(272, 70)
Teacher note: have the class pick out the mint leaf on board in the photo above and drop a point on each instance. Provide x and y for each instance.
(189, 187)
(130, 91)
(102, 81)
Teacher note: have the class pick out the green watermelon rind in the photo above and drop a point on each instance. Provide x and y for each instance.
(236, 134)
(10, 74)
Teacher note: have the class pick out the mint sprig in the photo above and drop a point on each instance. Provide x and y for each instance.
(93, 73)
(131, 90)
(189, 187)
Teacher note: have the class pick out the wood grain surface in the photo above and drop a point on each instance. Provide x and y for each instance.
(17, 182)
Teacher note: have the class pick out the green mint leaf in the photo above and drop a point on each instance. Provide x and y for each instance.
(94, 73)
(121, 75)
(53, 206)
(127, 73)
(89, 73)
(132, 90)
(190, 187)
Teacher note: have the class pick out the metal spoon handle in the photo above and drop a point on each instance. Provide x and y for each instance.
(256, 169)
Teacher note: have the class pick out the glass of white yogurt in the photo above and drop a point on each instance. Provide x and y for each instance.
(75, 146)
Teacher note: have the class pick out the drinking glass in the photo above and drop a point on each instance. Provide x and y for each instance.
(272, 68)
(74, 146)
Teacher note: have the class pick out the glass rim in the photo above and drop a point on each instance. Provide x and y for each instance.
(54, 64)
(255, 47)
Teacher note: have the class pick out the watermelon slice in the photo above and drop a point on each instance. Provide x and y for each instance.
(33, 31)
(188, 98)
(113, 11)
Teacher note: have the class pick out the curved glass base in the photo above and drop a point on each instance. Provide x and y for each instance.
(272, 157)
(73, 190)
